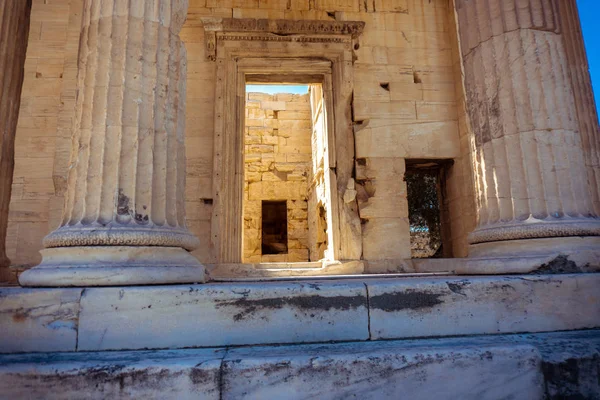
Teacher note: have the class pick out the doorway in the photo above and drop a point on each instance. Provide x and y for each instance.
(287, 210)
(331, 78)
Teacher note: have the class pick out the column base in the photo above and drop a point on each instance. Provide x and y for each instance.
(548, 255)
(114, 266)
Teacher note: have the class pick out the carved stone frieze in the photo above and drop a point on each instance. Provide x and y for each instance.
(267, 38)
(290, 27)
(279, 30)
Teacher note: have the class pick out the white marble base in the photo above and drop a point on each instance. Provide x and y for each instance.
(113, 266)
(244, 313)
(528, 367)
(189, 374)
(33, 320)
(421, 307)
(222, 314)
(236, 272)
(579, 254)
(392, 370)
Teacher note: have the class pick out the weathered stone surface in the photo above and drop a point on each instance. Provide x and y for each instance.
(530, 156)
(384, 371)
(126, 181)
(35, 320)
(571, 363)
(270, 271)
(121, 265)
(14, 22)
(188, 374)
(401, 85)
(548, 365)
(306, 311)
(222, 314)
(579, 75)
(454, 306)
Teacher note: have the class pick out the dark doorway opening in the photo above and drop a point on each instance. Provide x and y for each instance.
(427, 210)
(274, 227)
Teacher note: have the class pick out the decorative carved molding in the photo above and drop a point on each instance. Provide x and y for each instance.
(280, 30)
(266, 38)
(121, 236)
(14, 21)
(291, 27)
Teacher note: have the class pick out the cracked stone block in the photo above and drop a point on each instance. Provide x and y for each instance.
(38, 319)
(219, 315)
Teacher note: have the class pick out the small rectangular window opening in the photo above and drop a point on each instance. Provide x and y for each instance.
(274, 227)
(427, 213)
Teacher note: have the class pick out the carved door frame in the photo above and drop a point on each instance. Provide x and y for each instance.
(309, 50)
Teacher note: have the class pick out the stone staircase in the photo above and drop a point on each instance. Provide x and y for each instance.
(438, 337)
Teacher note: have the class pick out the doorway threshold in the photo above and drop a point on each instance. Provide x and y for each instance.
(265, 271)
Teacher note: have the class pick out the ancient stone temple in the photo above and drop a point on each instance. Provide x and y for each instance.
(422, 221)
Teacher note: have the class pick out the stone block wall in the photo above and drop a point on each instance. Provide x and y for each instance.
(407, 104)
(43, 140)
(277, 163)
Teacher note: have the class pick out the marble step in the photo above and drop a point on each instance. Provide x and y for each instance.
(529, 367)
(301, 311)
(233, 272)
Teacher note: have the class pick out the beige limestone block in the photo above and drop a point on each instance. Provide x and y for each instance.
(294, 115)
(14, 22)
(374, 248)
(384, 110)
(273, 105)
(398, 138)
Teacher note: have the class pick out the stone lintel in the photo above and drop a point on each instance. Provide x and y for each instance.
(231, 314)
(281, 27)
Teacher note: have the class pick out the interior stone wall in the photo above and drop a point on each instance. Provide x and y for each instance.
(407, 104)
(277, 160)
(44, 128)
(319, 196)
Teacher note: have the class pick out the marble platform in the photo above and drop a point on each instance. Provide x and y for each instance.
(529, 367)
(299, 311)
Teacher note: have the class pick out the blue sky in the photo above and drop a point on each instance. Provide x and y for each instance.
(272, 89)
(589, 12)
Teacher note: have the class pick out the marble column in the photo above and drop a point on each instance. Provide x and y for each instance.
(578, 69)
(124, 217)
(535, 189)
(14, 24)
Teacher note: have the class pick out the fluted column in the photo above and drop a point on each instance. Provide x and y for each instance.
(529, 151)
(124, 217)
(14, 32)
(578, 68)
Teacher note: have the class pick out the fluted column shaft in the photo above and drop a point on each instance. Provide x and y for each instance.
(14, 33)
(127, 173)
(578, 68)
(528, 147)
(126, 180)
